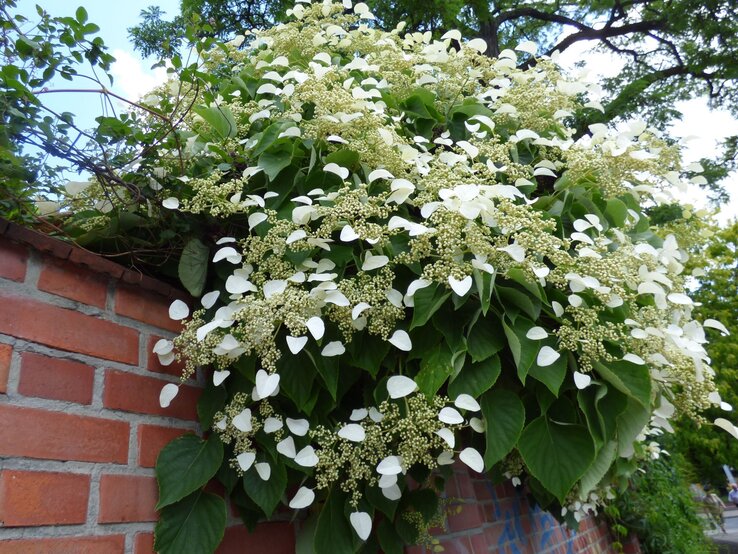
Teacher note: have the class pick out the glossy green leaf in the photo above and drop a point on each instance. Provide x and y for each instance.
(185, 465)
(485, 339)
(266, 494)
(476, 378)
(552, 375)
(557, 455)
(427, 302)
(504, 417)
(219, 118)
(435, 368)
(211, 401)
(194, 525)
(631, 379)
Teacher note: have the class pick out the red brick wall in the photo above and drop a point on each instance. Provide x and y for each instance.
(81, 426)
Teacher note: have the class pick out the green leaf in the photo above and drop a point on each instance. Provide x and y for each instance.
(268, 137)
(552, 376)
(333, 534)
(328, 371)
(616, 211)
(380, 502)
(194, 525)
(630, 423)
(475, 379)
(193, 266)
(344, 157)
(266, 494)
(297, 376)
(367, 352)
(504, 417)
(185, 465)
(485, 284)
(557, 455)
(598, 469)
(524, 350)
(631, 379)
(486, 338)
(274, 162)
(427, 302)
(81, 14)
(435, 367)
(515, 300)
(219, 118)
(389, 540)
(211, 401)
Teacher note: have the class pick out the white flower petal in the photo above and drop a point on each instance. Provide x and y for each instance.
(307, 457)
(401, 340)
(399, 386)
(242, 421)
(387, 481)
(374, 262)
(460, 287)
(582, 380)
(448, 436)
(477, 44)
(392, 492)
(245, 460)
(171, 203)
(358, 415)
(336, 169)
(348, 234)
(257, 218)
(727, 426)
(536, 333)
(208, 300)
(679, 298)
(467, 402)
(272, 424)
(298, 427)
(294, 236)
(272, 288)
(472, 458)
(296, 344)
(450, 416)
(316, 327)
(375, 415)
(302, 499)
(359, 309)
(220, 376)
(167, 394)
(264, 470)
(477, 425)
(557, 308)
(391, 465)
(379, 174)
(333, 348)
(352, 432)
(715, 324)
(286, 447)
(547, 356)
(178, 310)
(445, 458)
(362, 524)
(266, 384)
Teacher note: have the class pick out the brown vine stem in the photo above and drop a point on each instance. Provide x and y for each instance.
(106, 92)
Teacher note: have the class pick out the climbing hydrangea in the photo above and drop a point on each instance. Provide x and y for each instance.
(417, 261)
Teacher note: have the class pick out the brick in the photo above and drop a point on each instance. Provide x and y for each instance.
(68, 330)
(39, 241)
(34, 433)
(96, 263)
(13, 260)
(152, 438)
(456, 545)
(55, 378)
(135, 393)
(152, 360)
(109, 544)
(126, 498)
(144, 544)
(479, 544)
(146, 307)
(471, 516)
(71, 281)
(274, 538)
(6, 355)
(482, 490)
(30, 498)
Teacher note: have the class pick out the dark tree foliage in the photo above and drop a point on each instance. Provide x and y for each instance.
(672, 49)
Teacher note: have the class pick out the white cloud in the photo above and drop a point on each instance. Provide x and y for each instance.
(133, 79)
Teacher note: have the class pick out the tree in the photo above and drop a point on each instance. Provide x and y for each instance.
(671, 49)
(705, 447)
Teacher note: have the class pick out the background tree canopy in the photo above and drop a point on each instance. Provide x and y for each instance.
(672, 49)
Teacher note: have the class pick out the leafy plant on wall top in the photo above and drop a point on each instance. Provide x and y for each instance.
(404, 259)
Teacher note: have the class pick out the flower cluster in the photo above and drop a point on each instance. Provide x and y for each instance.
(419, 261)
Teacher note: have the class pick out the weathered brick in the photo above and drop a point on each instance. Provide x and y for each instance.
(69, 280)
(126, 498)
(152, 360)
(151, 439)
(274, 538)
(6, 354)
(65, 329)
(33, 433)
(13, 260)
(30, 498)
(55, 378)
(146, 307)
(107, 544)
(135, 393)
(471, 516)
